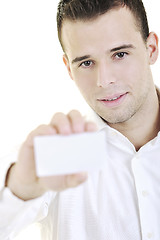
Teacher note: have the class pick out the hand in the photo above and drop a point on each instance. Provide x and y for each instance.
(22, 179)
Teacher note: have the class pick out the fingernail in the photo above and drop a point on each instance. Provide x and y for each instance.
(82, 176)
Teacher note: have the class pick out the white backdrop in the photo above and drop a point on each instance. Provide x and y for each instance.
(34, 83)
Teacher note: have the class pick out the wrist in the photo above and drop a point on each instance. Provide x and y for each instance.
(19, 189)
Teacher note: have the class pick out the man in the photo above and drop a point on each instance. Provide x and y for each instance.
(108, 51)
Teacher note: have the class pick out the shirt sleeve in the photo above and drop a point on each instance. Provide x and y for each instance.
(16, 214)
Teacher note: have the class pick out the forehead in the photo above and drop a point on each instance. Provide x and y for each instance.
(114, 27)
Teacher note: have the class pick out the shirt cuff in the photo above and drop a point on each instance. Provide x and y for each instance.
(18, 214)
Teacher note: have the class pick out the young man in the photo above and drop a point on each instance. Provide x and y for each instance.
(108, 51)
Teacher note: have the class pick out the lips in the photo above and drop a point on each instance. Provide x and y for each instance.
(113, 100)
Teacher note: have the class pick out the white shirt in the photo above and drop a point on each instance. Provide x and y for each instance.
(121, 202)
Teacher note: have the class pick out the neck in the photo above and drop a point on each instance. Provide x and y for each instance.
(143, 126)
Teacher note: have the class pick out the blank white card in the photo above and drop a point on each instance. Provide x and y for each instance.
(59, 154)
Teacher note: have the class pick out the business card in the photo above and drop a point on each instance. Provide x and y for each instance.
(60, 155)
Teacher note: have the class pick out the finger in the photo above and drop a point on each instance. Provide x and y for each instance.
(90, 127)
(61, 122)
(75, 179)
(40, 131)
(77, 121)
(60, 183)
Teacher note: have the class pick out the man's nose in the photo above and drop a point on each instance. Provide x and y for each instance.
(105, 75)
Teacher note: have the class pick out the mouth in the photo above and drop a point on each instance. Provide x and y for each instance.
(114, 100)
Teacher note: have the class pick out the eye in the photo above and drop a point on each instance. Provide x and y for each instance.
(120, 55)
(86, 64)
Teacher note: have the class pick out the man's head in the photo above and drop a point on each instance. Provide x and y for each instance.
(109, 59)
(85, 10)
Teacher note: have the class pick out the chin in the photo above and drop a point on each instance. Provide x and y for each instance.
(115, 118)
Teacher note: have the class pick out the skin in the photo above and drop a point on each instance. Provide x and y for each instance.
(104, 73)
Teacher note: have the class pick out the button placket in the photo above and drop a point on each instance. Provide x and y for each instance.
(143, 196)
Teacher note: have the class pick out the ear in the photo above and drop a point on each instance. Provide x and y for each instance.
(152, 46)
(66, 62)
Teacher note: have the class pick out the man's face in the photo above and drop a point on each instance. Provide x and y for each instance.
(109, 61)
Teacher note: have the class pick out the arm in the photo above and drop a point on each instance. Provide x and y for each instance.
(25, 195)
(22, 179)
(15, 214)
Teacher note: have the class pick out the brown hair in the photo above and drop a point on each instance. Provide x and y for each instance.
(90, 9)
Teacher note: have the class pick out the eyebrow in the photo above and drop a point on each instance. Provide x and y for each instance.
(124, 46)
(79, 59)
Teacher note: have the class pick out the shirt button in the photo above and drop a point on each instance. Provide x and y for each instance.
(149, 235)
(137, 155)
(145, 194)
(113, 134)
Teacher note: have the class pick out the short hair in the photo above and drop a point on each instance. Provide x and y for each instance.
(90, 9)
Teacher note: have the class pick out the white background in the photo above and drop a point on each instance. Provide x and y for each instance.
(34, 83)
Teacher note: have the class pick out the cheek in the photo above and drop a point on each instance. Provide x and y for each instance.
(133, 74)
(84, 82)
